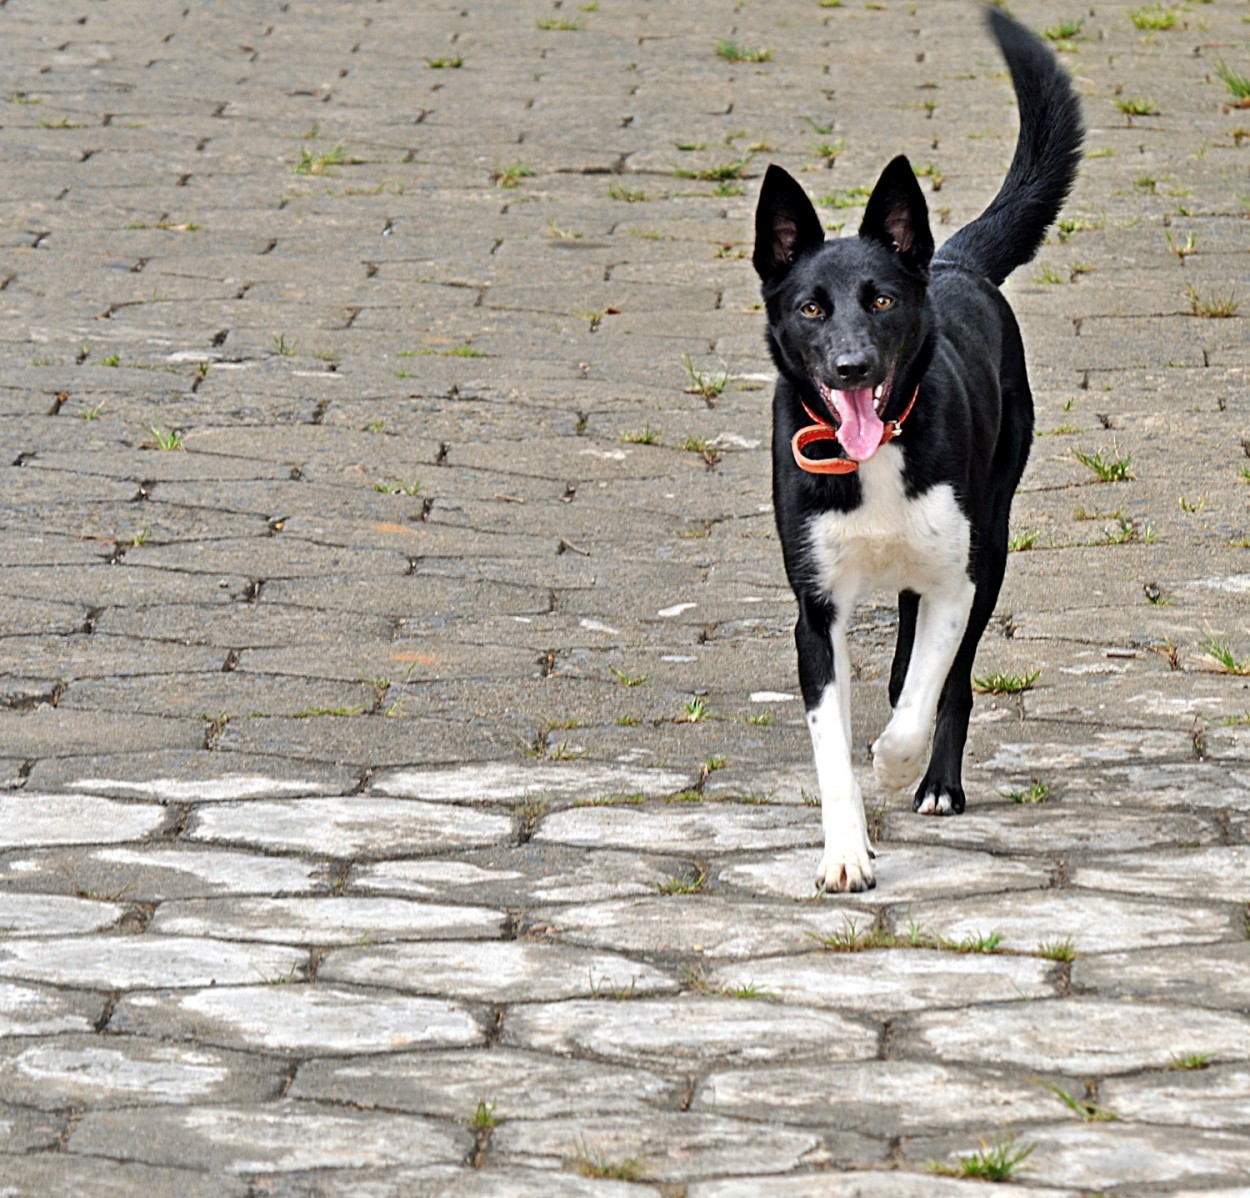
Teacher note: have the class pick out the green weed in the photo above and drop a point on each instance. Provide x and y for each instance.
(707, 383)
(483, 1116)
(731, 51)
(1038, 792)
(715, 174)
(996, 1161)
(318, 164)
(1238, 85)
(1224, 658)
(1221, 306)
(846, 197)
(1057, 950)
(1005, 684)
(1091, 1112)
(1153, 19)
(1109, 470)
(511, 176)
(166, 440)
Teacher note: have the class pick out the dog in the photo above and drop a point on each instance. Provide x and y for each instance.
(902, 419)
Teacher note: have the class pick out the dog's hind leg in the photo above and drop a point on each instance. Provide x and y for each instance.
(825, 678)
(898, 753)
(942, 792)
(908, 603)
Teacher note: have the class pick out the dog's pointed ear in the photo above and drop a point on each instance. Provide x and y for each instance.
(897, 215)
(786, 224)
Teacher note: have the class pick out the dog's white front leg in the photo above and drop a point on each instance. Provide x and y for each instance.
(898, 753)
(847, 861)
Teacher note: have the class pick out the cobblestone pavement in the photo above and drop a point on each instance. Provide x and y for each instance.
(403, 789)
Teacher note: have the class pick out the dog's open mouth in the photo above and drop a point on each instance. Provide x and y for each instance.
(859, 423)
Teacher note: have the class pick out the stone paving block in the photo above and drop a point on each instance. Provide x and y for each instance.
(712, 927)
(499, 782)
(324, 921)
(37, 1010)
(42, 819)
(154, 875)
(904, 873)
(51, 915)
(120, 1070)
(349, 826)
(36, 1175)
(881, 982)
(24, 1130)
(512, 877)
(667, 1145)
(175, 776)
(709, 828)
(854, 1184)
(688, 1031)
(84, 732)
(357, 740)
(283, 1136)
(445, 1181)
(280, 1015)
(1085, 1036)
(891, 1098)
(491, 971)
(1220, 873)
(1094, 1155)
(1057, 828)
(520, 1085)
(1211, 975)
(1090, 922)
(130, 962)
(1207, 1097)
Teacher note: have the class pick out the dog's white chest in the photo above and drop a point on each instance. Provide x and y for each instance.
(890, 541)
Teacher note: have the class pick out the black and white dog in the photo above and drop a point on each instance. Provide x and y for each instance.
(876, 338)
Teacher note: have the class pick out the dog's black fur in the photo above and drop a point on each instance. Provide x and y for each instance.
(881, 309)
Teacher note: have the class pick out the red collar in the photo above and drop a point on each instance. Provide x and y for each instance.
(822, 430)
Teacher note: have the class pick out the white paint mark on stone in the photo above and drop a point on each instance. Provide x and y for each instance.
(606, 455)
(771, 697)
(675, 610)
(599, 626)
(734, 441)
(679, 658)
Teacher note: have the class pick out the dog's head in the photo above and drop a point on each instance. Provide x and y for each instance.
(845, 316)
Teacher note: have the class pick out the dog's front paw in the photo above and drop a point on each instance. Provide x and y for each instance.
(935, 798)
(843, 872)
(897, 756)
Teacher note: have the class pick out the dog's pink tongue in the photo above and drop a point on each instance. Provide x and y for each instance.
(861, 428)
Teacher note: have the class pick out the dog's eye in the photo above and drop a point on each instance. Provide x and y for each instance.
(812, 309)
(882, 302)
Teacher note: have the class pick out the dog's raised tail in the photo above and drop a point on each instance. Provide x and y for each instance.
(1048, 151)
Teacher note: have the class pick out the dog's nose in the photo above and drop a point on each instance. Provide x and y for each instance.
(851, 368)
